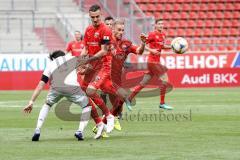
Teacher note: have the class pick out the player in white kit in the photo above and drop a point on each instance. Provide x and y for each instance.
(62, 75)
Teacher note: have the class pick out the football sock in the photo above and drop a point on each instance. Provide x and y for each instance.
(162, 93)
(94, 113)
(84, 118)
(99, 102)
(42, 115)
(136, 90)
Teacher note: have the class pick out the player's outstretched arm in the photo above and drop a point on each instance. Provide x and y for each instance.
(167, 46)
(37, 91)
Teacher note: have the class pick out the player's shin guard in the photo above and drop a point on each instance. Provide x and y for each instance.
(42, 115)
(136, 90)
(99, 102)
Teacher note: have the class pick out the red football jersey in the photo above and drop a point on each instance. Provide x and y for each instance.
(75, 47)
(155, 40)
(119, 55)
(94, 38)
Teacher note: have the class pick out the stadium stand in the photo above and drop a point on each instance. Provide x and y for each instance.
(198, 20)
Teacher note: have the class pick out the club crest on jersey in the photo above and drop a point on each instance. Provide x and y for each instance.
(96, 34)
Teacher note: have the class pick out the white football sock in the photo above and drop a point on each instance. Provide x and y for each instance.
(86, 112)
(42, 115)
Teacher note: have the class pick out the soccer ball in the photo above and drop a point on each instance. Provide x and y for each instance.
(179, 45)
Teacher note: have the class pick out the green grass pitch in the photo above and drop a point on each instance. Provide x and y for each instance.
(208, 127)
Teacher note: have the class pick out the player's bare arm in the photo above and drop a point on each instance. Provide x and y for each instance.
(37, 91)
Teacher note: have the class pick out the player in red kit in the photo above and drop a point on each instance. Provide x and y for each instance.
(75, 47)
(96, 40)
(155, 43)
(123, 48)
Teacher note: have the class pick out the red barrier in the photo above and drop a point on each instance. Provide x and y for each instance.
(184, 78)
(19, 80)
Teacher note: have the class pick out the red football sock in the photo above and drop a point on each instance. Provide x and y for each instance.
(136, 90)
(99, 102)
(162, 93)
(94, 113)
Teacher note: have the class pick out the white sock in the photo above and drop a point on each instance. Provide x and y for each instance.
(42, 115)
(86, 112)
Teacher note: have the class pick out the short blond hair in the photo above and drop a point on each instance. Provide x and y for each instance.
(119, 21)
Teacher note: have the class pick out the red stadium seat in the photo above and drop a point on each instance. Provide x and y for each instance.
(229, 6)
(199, 32)
(211, 48)
(216, 32)
(158, 15)
(168, 7)
(184, 15)
(166, 15)
(235, 23)
(190, 32)
(191, 24)
(203, 7)
(195, 7)
(202, 15)
(234, 32)
(207, 32)
(193, 15)
(171, 32)
(197, 41)
(218, 23)
(203, 48)
(225, 32)
(237, 6)
(219, 15)
(238, 47)
(212, 7)
(209, 23)
(182, 24)
(227, 15)
(159, 7)
(186, 7)
(176, 15)
(201, 23)
(151, 7)
(227, 23)
(220, 6)
(221, 48)
(211, 15)
(149, 13)
(206, 41)
(236, 14)
(177, 7)
(173, 24)
(143, 7)
(181, 32)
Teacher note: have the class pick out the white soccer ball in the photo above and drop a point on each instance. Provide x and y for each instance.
(179, 45)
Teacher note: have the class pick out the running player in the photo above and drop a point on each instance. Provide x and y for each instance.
(96, 39)
(60, 71)
(155, 43)
(123, 48)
